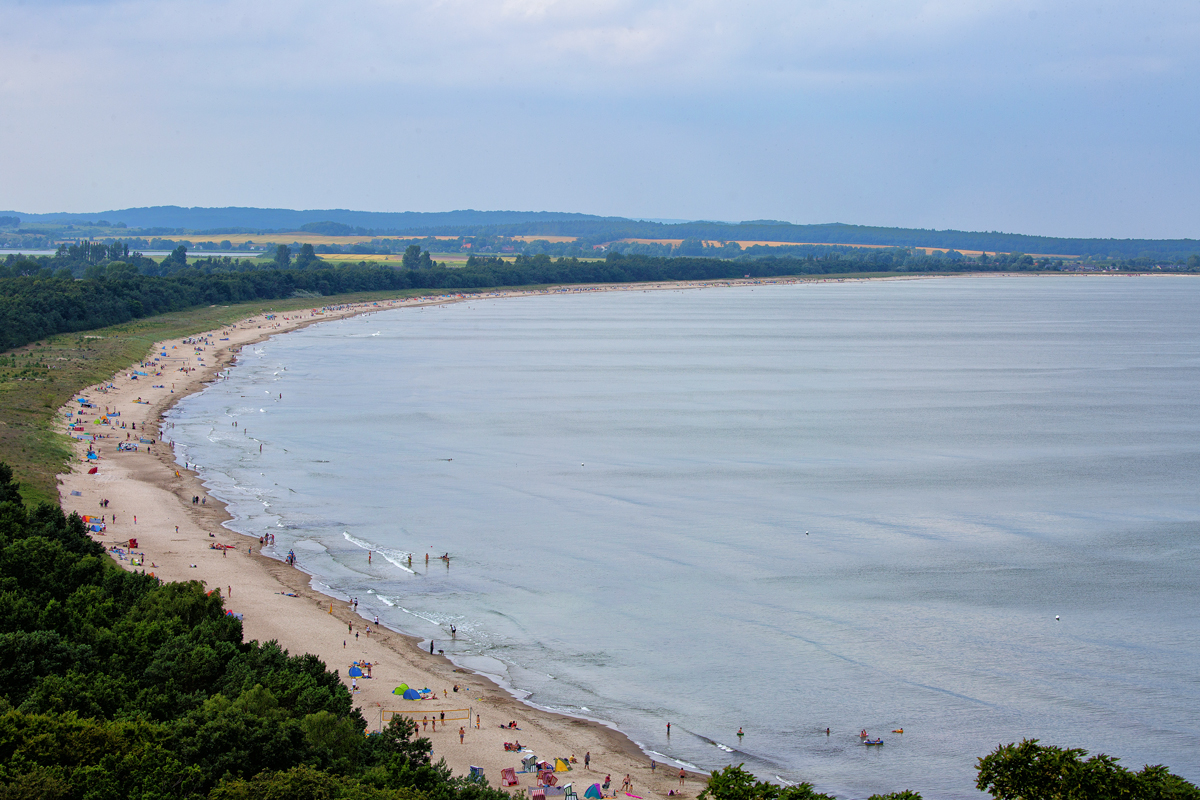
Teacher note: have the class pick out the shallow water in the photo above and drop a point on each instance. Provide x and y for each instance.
(786, 508)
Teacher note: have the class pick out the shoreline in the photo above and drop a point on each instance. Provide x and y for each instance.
(149, 498)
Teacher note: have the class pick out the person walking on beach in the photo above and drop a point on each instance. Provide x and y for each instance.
(587, 760)
(682, 776)
(462, 733)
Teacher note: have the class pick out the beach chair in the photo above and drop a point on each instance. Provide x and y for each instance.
(569, 793)
(477, 775)
(537, 794)
(508, 777)
(529, 763)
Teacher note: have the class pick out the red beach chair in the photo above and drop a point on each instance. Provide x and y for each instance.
(509, 777)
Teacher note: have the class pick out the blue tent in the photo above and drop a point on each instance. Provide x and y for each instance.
(412, 694)
(355, 672)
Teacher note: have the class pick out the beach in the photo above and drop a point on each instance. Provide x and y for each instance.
(164, 507)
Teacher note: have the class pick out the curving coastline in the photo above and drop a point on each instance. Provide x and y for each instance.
(149, 498)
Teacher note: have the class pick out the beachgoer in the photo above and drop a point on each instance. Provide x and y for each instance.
(740, 734)
(607, 781)
(587, 760)
(462, 733)
(627, 786)
(425, 722)
(682, 776)
(653, 765)
(443, 716)
(668, 729)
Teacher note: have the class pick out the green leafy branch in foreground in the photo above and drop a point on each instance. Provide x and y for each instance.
(1025, 771)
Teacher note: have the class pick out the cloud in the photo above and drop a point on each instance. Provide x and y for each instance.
(884, 111)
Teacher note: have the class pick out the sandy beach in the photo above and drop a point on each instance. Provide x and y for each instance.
(150, 499)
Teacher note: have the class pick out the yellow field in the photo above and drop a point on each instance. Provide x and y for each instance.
(295, 236)
(553, 239)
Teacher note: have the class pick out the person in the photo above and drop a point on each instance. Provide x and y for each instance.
(462, 733)
(827, 731)
(443, 716)
(668, 729)
(863, 735)
(425, 722)
(740, 734)
(653, 766)
(476, 722)
(682, 775)
(587, 760)
(607, 781)
(354, 684)
(627, 786)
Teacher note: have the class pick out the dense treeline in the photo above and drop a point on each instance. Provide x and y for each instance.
(38, 299)
(116, 685)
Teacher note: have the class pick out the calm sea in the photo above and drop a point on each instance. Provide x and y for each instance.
(964, 507)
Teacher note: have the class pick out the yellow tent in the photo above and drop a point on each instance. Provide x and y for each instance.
(561, 766)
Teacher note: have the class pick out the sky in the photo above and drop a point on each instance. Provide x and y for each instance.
(1053, 118)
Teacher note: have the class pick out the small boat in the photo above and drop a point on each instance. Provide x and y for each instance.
(873, 742)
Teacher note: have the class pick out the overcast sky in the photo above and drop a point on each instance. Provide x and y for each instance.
(1058, 118)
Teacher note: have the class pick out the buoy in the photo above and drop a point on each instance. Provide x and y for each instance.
(1056, 617)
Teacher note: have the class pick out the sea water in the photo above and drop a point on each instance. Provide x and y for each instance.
(962, 507)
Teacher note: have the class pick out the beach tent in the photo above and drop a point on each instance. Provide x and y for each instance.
(561, 766)
(401, 689)
(412, 694)
(594, 792)
(355, 672)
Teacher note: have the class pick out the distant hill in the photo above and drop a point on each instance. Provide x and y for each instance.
(591, 229)
(284, 219)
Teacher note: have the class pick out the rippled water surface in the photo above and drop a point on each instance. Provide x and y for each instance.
(856, 505)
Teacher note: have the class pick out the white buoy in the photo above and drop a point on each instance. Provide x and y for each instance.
(1056, 617)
